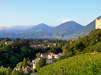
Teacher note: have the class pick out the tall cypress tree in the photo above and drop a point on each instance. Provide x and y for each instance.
(24, 63)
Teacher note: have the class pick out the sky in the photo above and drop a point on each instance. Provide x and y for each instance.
(50, 12)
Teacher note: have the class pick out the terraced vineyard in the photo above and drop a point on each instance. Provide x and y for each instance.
(84, 64)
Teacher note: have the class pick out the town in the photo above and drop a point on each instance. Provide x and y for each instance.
(33, 51)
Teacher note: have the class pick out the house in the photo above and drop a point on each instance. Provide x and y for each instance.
(44, 55)
(48, 61)
(60, 54)
(39, 45)
(49, 44)
(54, 44)
(34, 62)
(8, 42)
(27, 70)
(55, 56)
(50, 55)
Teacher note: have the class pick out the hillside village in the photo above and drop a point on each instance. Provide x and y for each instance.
(48, 57)
(44, 49)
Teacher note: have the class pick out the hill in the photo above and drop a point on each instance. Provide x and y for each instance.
(84, 64)
(45, 31)
(84, 31)
(67, 28)
(41, 31)
(39, 28)
(87, 29)
(77, 62)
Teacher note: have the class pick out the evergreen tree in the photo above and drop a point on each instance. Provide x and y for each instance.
(24, 63)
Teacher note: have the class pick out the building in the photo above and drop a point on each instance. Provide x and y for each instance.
(26, 70)
(50, 55)
(8, 42)
(34, 62)
(98, 23)
(60, 54)
(55, 56)
(44, 55)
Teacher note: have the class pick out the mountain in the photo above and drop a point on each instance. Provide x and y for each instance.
(67, 28)
(15, 28)
(3, 28)
(20, 27)
(45, 31)
(42, 31)
(40, 28)
(85, 30)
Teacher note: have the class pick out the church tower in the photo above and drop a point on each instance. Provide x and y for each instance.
(98, 23)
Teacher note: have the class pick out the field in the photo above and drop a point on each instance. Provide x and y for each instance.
(84, 64)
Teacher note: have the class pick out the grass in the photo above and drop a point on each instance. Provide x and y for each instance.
(84, 64)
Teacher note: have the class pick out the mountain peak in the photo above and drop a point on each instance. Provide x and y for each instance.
(71, 22)
(42, 24)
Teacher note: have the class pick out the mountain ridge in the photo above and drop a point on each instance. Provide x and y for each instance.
(44, 31)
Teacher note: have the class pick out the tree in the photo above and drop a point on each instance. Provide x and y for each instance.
(98, 47)
(19, 65)
(38, 55)
(24, 63)
(5, 71)
(13, 61)
(17, 73)
(67, 50)
(40, 63)
(95, 36)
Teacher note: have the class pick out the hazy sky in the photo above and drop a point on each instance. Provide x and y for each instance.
(51, 12)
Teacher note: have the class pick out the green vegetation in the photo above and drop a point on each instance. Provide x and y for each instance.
(16, 53)
(24, 63)
(38, 54)
(17, 73)
(87, 43)
(84, 64)
(40, 63)
(75, 61)
(5, 71)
